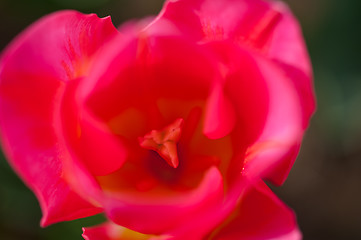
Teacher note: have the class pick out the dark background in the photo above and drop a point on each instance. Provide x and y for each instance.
(324, 187)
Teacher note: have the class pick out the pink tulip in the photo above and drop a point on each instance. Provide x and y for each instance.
(167, 125)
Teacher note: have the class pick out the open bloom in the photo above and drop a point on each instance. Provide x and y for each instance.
(168, 125)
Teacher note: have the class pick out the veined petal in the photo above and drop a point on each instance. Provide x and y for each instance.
(34, 69)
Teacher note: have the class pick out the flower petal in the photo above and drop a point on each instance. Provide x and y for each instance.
(100, 232)
(283, 128)
(245, 88)
(282, 91)
(220, 116)
(82, 132)
(259, 215)
(249, 21)
(161, 215)
(267, 104)
(266, 26)
(288, 49)
(143, 68)
(33, 70)
(111, 231)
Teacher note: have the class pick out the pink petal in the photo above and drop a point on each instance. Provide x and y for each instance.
(245, 88)
(139, 71)
(143, 68)
(259, 215)
(248, 21)
(286, 43)
(288, 49)
(101, 232)
(220, 116)
(111, 231)
(82, 132)
(304, 86)
(255, 26)
(268, 108)
(267, 26)
(203, 224)
(283, 128)
(160, 215)
(121, 84)
(33, 70)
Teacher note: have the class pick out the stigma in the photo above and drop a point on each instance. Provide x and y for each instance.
(164, 142)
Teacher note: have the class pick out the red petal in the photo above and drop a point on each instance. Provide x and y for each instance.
(259, 215)
(89, 140)
(283, 128)
(244, 87)
(33, 69)
(142, 72)
(267, 26)
(288, 49)
(268, 108)
(101, 232)
(160, 215)
(220, 116)
(111, 231)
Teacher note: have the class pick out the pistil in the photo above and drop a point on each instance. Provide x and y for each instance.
(164, 142)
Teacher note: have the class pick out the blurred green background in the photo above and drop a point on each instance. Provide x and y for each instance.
(324, 187)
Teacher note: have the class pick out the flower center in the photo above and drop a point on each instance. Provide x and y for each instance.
(164, 142)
